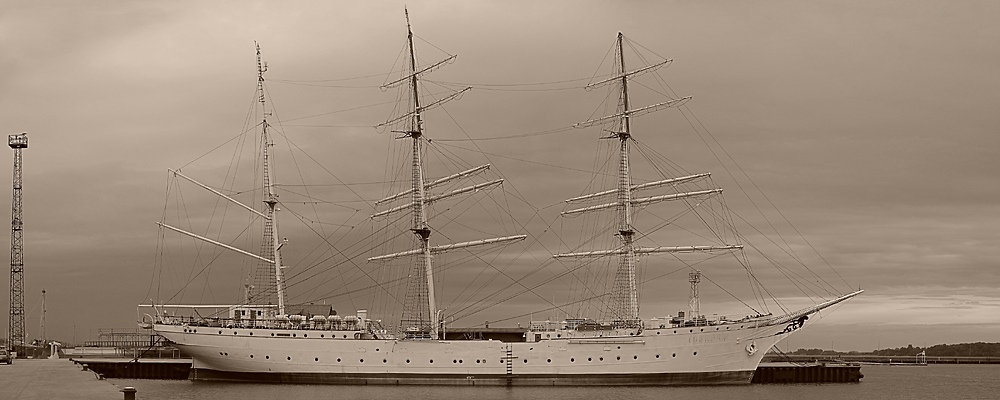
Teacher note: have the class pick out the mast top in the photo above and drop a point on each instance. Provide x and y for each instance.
(18, 141)
(261, 69)
(409, 31)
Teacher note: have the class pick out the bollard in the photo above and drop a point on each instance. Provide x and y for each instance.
(129, 393)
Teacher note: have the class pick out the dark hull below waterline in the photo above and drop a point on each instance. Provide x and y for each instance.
(666, 379)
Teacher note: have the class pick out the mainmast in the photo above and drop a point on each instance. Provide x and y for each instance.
(271, 246)
(420, 228)
(421, 293)
(625, 302)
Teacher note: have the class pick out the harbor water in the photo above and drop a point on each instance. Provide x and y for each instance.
(879, 383)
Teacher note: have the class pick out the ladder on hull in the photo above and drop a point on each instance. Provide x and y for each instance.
(509, 357)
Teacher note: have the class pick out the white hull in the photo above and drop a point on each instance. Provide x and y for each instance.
(691, 355)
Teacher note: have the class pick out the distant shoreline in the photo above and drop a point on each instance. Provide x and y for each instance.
(875, 359)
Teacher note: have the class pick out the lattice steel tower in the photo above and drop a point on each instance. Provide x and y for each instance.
(15, 334)
(695, 302)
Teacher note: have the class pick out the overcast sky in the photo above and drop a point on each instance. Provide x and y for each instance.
(872, 126)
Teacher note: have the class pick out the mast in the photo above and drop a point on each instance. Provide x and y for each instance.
(420, 228)
(420, 310)
(271, 246)
(625, 304)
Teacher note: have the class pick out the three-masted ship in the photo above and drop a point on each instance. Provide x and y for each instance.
(259, 342)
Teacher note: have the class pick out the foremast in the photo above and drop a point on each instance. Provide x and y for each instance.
(421, 289)
(624, 304)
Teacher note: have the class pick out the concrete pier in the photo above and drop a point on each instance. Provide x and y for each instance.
(31, 379)
(815, 373)
(143, 368)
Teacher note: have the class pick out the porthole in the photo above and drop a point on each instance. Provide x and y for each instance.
(293, 335)
(691, 330)
(234, 332)
(384, 361)
(716, 328)
(251, 356)
(619, 347)
(674, 355)
(220, 353)
(251, 333)
(477, 361)
(272, 333)
(267, 357)
(454, 361)
(316, 359)
(635, 357)
(702, 329)
(549, 360)
(657, 356)
(376, 350)
(362, 360)
(432, 361)
(572, 360)
(619, 358)
(338, 360)
(407, 360)
(531, 348)
(525, 360)
(696, 353)
(305, 335)
(657, 332)
(459, 361)
(220, 332)
(548, 335)
(289, 358)
(345, 336)
(589, 359)
(675, 331)
(558, 335)
(600, 359)
(321, 336)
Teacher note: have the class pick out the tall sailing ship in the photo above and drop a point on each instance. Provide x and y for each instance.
(263, 339)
